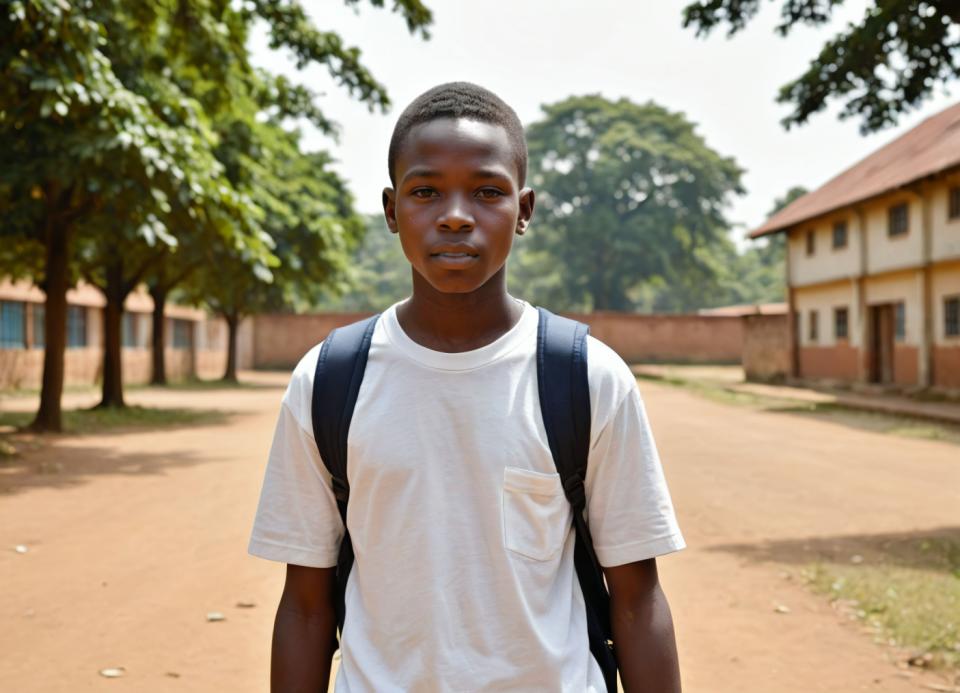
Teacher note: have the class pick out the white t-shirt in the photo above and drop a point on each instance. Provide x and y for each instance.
(464, 575)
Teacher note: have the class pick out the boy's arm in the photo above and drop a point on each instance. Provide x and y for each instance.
(642, 629)
(304, 632)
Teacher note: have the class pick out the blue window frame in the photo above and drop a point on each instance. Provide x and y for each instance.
(76, 327)
(841, 320)
(39, 325)
(13, 334)
(131, 333)
(900, 319)
(840, 234)
(951, 316)
(182, 333)
(899, 220)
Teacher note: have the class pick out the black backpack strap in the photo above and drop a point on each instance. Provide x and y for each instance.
(336, 383)
(565, 405)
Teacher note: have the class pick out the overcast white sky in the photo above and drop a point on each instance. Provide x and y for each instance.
(535, 52)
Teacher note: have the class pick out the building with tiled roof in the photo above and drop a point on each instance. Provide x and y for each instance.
(873, 264)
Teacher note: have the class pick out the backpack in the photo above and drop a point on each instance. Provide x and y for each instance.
(564, 405)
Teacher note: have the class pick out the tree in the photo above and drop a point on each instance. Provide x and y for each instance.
(882, 67)
(377, 275)
(310, 223)
(628, 193)
(108, 106)
(73, 134)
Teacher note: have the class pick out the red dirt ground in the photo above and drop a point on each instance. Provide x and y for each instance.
(136, 536)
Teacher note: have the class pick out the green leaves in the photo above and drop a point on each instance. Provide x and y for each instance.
(884, 66)
(627, 193)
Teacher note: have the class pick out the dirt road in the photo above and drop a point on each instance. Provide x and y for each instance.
(132, 538)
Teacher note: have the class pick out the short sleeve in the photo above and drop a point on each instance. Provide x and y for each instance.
(297, 518)
(629, 510)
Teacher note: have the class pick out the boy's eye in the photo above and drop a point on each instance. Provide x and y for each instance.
(423, 193)
(489, 193)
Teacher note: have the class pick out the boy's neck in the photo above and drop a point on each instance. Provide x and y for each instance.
(452, 322)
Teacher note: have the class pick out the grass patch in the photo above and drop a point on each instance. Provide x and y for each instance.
(131, 417)
(910, 601)
(196, 384)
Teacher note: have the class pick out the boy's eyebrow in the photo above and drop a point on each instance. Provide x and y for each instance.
(432, 173)
(422, 173)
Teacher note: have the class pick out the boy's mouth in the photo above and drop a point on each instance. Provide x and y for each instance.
(456, 251)
(456, 256)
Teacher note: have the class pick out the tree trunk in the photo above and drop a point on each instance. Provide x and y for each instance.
(115, 293)
(56, 282)
(233, 325)
(158, 340)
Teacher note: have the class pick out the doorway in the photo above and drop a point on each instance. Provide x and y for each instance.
(882, 329)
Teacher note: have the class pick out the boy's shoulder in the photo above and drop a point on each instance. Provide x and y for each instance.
(610, 380)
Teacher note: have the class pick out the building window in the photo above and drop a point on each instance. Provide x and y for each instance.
(813, 333)
(954, 207)
(131, 333)
(182, 334)
(840, 234)
(899, 220)
(951, 316)
(900, 321)
(12, 327)
(39, 325)
(76, 327)
(811, 242)
(840, 323)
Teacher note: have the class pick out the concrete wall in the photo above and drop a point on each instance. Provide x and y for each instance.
(766, 347)
(668, 338)
(945, 241)
(886, 252)
(827, 263)
(828, 357)
(823, 299)
(281, 340)
(945, 282)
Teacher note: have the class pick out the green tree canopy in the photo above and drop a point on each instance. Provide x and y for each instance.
(880, 68)
(628, 195)
(113, 117)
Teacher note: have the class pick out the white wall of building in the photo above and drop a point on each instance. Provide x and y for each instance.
(827, 263)
(824, 299)
(886, 252)
(944, 281)
(945, 243)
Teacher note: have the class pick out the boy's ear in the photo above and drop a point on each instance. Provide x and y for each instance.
(390, 208)
(527, 201)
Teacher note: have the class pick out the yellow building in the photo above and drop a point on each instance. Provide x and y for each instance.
(873, 265)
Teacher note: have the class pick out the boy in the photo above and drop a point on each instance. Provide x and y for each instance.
(464, 576)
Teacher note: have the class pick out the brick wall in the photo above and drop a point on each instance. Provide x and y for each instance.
(281, 340)
(766, 347)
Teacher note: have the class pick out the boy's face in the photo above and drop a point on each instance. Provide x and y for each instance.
(458, 202)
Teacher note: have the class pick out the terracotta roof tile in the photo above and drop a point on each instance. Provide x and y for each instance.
(931, 147)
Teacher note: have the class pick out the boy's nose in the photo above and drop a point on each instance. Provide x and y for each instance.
(456, 216)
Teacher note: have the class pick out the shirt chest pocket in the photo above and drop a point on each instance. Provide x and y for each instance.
(536, 514)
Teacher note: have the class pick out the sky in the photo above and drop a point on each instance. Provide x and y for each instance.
(534, 52)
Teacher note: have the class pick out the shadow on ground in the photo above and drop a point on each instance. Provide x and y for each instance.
(935, 549)
(68, 467)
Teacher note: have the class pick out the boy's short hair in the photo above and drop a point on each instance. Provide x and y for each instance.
(460, 100)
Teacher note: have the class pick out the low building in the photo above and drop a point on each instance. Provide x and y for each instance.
(195, 343)
(873, 265)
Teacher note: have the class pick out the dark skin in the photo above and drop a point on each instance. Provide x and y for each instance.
(457, 205)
